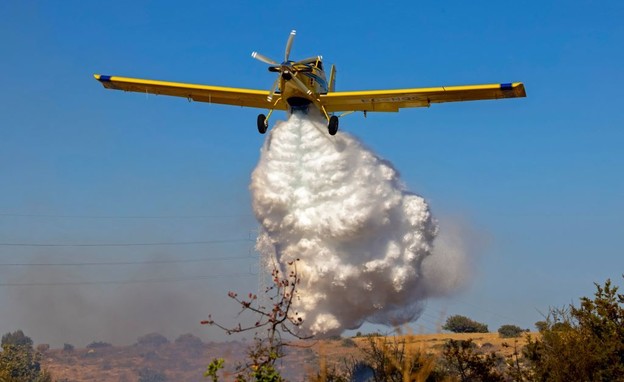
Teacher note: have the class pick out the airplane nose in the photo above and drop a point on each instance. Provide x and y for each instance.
(286, 75)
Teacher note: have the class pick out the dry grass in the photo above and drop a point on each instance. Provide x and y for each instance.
(305, 358)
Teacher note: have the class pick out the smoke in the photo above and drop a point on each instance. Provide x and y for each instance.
(364, 243)
(81, 304)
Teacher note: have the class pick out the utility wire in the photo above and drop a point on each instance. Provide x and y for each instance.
(51, 216)
(148, 262)
(125, 282)
(123, 244)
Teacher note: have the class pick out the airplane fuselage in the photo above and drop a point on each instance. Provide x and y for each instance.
(311, 76)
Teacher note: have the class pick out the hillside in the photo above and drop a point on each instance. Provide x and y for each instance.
(188, 361)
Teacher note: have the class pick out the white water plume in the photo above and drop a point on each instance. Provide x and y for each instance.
(361, 237)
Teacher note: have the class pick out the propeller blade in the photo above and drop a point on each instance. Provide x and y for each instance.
(289, 44)
(309, 60)
(263, 58)
(301, 85)
(272, 92)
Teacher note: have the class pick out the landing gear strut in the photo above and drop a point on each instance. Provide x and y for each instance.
(332, 127)
(262, 123)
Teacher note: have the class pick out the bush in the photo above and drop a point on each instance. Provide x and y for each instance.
(98, 345)
(152, 340)
(68, 348)
(584, 343)
(541, 325)
(463, 361)
(391, 361)
(150, 375)
(462, 324)
(19, 361)
(510, 331)
(17, 338)
(189, 340)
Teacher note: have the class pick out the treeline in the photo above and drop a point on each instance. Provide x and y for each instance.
(20, 361)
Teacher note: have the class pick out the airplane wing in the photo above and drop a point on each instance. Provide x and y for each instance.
(393, 100)
(200, 93)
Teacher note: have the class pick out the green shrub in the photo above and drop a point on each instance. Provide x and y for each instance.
(17, 338)
(463, 324)
(510, 331)
(19, 361)
(463, 361)
(584, 343)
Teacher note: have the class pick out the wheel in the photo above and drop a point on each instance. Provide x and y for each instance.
(332, 127)
(262, 124)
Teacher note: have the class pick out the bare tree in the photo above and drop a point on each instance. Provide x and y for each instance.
(276, 317)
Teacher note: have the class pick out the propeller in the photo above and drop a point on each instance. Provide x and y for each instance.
(287, 70)
(263, 58)
(289, 44)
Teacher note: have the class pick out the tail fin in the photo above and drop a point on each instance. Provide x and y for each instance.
(332, 79)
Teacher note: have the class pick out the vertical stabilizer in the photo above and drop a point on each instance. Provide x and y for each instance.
(332, 79)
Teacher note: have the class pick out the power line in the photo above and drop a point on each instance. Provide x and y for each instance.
(125, 282)
(53, 216)
(485, 310)
(171, 243)
(148, 262)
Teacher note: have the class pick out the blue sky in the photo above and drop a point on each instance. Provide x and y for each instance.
(537, 181)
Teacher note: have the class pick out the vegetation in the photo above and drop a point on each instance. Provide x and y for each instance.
(392, 361)
(463, 324)
(510, 331)
(150, 375)
(277, 318)
(584, 343)
(17, 338)
(462, 360)
(541, 325)
(348, 343)
(98, 345)
(152, 340)
(19, 362)
(190, 341)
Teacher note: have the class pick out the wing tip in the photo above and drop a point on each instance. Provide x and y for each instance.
(102, 78)
(519, 88)
(516, 87)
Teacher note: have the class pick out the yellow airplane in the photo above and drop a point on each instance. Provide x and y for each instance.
(302, 83)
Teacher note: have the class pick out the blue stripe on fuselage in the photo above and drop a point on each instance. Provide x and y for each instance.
(318, 79)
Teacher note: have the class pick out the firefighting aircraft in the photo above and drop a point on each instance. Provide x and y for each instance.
(302, 83)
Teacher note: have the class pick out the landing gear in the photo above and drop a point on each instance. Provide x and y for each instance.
(262, 123)
(332, 127)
